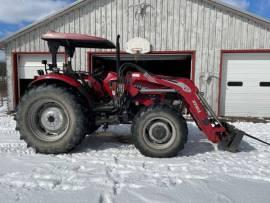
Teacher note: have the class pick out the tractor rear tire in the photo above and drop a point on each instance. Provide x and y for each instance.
(51, 120)
(159, 132)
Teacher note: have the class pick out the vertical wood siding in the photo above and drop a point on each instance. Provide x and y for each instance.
(167, 24)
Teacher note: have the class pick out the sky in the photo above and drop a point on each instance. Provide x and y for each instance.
(16, 14)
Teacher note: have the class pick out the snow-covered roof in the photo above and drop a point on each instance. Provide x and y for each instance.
(217, 3)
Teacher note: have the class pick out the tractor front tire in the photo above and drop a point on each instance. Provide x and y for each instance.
(159, 132)
(51, 120)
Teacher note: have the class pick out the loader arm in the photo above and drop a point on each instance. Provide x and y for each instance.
(197, 107)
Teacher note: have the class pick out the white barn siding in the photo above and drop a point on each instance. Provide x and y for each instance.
(168, 24)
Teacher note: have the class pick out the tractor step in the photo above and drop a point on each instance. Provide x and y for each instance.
(233, 138)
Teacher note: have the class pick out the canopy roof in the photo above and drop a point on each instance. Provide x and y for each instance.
(77, 40)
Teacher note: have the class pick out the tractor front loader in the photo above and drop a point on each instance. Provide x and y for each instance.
(61, 106)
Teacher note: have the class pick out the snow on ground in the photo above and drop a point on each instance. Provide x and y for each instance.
(108, 169)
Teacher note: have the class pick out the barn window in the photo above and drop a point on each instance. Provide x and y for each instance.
(264, 84)
(235, 84)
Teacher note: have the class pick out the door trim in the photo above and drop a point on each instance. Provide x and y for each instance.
(223, 52)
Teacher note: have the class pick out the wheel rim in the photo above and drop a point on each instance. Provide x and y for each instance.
(48, 120)
(159, 133)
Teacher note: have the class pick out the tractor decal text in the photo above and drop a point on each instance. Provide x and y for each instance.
(196, 106)
(183, 86)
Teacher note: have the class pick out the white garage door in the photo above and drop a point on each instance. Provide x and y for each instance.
(245, 90)
(28, 64)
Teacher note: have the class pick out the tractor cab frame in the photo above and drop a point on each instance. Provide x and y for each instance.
(72, 41)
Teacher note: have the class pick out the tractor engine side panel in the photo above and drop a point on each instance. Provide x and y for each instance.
(135, 82)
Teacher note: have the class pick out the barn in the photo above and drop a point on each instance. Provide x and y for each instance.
(226, 51)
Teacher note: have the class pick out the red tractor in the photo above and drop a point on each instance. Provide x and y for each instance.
(60, 107)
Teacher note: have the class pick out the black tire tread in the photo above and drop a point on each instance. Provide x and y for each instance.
(79, 134)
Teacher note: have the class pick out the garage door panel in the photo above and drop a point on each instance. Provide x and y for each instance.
(258, 97)
(261, 94)
(28, 72)
(243, 109)
(237, 102)
(243, 77)
(255, 70)
(245, 101)
(35, 59)
(251, 70)
(242, 112)
(254, 87)
(29, 64)
(251, 76)
(259, 91)
(239, 113)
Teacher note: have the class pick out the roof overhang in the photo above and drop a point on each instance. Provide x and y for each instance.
(77, 4)
(246, 14)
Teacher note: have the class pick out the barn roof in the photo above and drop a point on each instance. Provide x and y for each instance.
(77, 4)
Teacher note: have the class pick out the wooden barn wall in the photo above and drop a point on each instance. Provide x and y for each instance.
(167, 24)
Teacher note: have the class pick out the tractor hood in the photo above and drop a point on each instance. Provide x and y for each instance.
(77, 40)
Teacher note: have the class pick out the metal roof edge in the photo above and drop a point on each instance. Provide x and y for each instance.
(238, 11)
(79, 3)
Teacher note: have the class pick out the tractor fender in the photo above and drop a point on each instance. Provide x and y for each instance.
(55, 77)
(68, 81)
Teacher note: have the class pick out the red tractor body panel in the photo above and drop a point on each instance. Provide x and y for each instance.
(55, 76)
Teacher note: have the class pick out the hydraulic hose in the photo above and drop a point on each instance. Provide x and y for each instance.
(130, 65)
(257, 139)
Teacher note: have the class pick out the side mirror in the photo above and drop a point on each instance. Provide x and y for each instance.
(44, 62)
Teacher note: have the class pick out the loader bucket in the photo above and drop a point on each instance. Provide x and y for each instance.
(232, 139)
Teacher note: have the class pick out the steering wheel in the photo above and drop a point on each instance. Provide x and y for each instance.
(99, 73)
